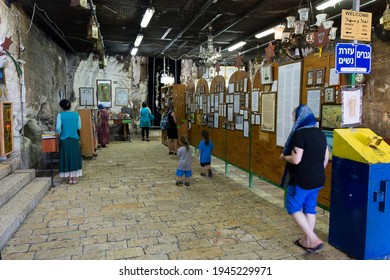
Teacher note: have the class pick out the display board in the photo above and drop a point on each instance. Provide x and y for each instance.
(288, 98)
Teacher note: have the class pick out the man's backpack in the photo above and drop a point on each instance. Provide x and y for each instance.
(164, 122)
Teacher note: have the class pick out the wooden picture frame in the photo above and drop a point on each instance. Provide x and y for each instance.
(310, 78)
(329, 95)
(319, 76)
(331, 116)
(103, 92)
(86, 96)
(268, 111)
(121, 96)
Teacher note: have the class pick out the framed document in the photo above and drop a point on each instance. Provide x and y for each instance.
(266, 74)
(288, 97)
(310, 78)
(121, 96)
(320, 76)
(314, 101)
(104, 93)
(86, 96)
(329, 95)
(268, 110)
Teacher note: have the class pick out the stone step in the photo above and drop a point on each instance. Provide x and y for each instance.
(5, 169)
(14, 182)
(15, 211)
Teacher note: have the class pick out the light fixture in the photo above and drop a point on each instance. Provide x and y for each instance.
(210, 55)
(134, 51)
(236, 46)
(138, 40)
(301, 36)
(166, 33)
(93, 29)
(265, 33)
(166, 79)
(147, 17)
(327, 4)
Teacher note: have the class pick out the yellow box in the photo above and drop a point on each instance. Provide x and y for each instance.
(360, 144)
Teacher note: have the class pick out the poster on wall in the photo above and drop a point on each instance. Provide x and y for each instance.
(314, 101)
(86, 96)
(289, 87)
(351, 100)
(268, 103)
(104, 92)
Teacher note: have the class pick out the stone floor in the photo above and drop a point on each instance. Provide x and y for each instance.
(127, 206)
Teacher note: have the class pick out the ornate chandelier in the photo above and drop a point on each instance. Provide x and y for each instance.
(301, 36)
(209, 56)
(166, 77)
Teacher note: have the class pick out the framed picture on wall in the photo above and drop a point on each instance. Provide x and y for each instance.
(86, 96)
(329, 95)
(121, 96)
(310, 78)
(319, 76)
(268, 110)
(331, 116)
(104, 93)
(266, 74)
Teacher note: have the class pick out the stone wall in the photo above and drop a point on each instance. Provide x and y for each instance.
(376, 97)
(49, 74)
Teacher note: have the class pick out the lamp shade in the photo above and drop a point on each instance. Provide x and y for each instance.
(279, 32)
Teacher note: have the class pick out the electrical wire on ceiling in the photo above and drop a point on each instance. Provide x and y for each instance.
(43, 11)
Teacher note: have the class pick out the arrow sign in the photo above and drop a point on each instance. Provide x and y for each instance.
(353, 58)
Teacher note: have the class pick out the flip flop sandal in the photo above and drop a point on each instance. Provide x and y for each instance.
(307, 249)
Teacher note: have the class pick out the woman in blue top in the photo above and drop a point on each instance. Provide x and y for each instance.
(145, 121)
(67, 126)
(205, 150)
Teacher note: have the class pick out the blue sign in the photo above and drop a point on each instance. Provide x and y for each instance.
(353, 58)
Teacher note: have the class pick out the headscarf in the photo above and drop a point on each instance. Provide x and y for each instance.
(101, 106)
(304, 118)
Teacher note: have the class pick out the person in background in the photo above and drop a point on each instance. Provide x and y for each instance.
(184, 154)
(103, 131)
(172, 130)
(67, 127)
(205, 150)
(306, 155)
(145, 120)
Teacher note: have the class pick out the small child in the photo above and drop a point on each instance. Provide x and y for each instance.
(205, 150)
(184, 154)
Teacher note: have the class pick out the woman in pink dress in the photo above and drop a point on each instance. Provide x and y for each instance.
(103, 130)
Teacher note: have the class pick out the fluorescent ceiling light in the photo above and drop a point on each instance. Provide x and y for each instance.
(147, 17)
(138, 40)
(134, 51)
(327, 4)
(236, 46)
(265, 33)
(166, 33)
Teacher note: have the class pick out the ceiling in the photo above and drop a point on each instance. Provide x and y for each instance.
(231, 20)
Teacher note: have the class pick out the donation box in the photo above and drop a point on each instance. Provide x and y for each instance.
(359, 222)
